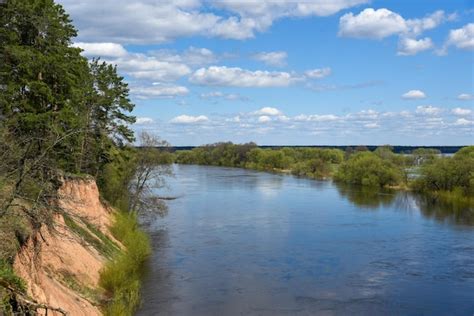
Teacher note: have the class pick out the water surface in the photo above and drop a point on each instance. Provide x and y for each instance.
(240, 242)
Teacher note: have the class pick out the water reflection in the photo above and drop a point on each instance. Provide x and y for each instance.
(454, 213)
(366, 197)
(428, 206)
(239, 242)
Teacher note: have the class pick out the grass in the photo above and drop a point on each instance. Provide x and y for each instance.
(92, 236)
(8, 278)
(121, 277)
(69, 280)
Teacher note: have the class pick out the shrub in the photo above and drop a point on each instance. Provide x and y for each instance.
(368, 169)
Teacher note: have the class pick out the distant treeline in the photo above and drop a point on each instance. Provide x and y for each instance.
(396, 149)
(424, 170)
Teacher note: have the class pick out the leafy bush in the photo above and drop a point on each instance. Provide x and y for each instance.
(368, 169)
(448, 173)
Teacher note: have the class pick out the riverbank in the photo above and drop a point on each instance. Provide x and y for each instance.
(423, 170)
(87, 261)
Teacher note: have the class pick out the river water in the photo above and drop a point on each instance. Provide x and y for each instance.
(240, 242)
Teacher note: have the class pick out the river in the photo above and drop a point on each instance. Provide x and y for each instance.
(241, 242)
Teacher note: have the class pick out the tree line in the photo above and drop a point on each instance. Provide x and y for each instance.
(423, 169)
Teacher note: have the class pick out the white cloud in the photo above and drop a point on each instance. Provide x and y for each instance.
(271, 9)
(187, 119)
(381, 23)
(268, 111)
(158, 91)
(414, 94)
(225, 96)
(101, 49)
(372, 125)
(148, 67)
(151, 22)
(237, 77)
(264, 119)
(428, 110)
(410, 46)
(198, 56)
(318, 73)
(465, 97)
(316, 118)
(431, 21)
(372, 23)
(144, 121)
(276, 59)
(463, 122)
(461, 111)
(462, 38)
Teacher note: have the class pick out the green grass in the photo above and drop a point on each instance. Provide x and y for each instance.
(8, 276)
(69, 280)
(92, 236)
(121, 277)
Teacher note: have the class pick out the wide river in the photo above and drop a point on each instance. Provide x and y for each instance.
(240, 242)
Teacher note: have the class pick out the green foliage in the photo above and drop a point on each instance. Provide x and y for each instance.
(8, 276)
(310, 162)
(121, 277)
(448, 173)
(115, 176)
(92, 236)
(69, 280)
(314, 168)
(368, 169)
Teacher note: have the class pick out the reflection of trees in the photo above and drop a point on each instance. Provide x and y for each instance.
(455, 212)
(366, 197)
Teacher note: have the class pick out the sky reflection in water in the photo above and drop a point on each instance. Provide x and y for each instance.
(239, 242)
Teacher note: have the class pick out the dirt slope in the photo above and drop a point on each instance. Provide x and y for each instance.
(61, 266)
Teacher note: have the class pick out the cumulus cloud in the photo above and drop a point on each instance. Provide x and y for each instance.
(268, 111)
(423, 122)
(372, 23)
(461, 111)
(224, 96)
(158, 91)
(465, 97)
(188, 119)
(101, 49)
(428, 110)
(316, 118)
(264, 119)
(146, 21)
(462, 38)
(238, 77)
(372, 125)
(144, 121)
(463, 122)
(141, 66)
(414, 94)
(318, 73)
(381, 23)
(276, 59)
(409, 46)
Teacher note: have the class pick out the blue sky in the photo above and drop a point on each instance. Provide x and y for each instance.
(285, 72)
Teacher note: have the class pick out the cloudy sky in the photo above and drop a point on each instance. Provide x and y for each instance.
(290, 72)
